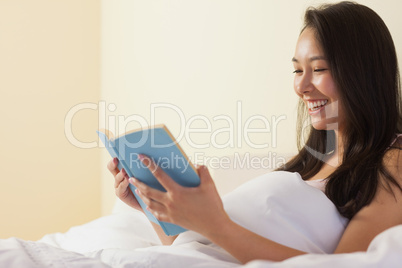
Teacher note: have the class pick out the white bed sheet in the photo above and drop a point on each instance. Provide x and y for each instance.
(384, 251)
(124, 230)
(126, 239)
(28, 254)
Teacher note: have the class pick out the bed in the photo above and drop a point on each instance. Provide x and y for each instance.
(126, 239)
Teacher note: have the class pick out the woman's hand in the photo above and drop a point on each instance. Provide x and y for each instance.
(121, 185)
(195, 208)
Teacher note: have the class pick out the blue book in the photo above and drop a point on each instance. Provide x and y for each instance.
(159, 144)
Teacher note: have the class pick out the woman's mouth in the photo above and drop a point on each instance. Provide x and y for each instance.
(316, 105)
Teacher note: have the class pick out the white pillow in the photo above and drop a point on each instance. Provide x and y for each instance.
(282, 207)
(125, 230)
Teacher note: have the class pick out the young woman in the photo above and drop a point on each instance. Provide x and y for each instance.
(346, 75)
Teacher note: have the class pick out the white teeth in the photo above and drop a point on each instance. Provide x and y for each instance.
(316, 104)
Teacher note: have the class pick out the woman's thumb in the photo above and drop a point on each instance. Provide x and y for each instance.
(204, 174)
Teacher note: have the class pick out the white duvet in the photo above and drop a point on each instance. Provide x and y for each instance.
(278, 205)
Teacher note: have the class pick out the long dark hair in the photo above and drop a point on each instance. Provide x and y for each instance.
(363, 63)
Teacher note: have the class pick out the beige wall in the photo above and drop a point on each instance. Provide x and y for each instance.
(202, 58)
(49, 62)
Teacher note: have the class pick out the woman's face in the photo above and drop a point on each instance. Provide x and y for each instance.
(314, 84)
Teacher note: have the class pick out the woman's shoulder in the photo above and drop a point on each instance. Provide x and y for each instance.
(393, 164)
(389, 194)
(383, 212)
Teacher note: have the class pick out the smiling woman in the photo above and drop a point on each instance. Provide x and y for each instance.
(314, 84)
(345, 62)
(340, 193)
(358, 71)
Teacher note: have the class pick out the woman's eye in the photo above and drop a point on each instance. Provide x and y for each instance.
(297, 71)
(319, 70)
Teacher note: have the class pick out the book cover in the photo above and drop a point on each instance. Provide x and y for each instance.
(159, 144)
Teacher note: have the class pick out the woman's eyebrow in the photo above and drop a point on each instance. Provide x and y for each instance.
(311, 59)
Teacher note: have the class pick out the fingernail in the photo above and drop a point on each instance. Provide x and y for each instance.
(140, 156)
(115, 160)
(131, 180)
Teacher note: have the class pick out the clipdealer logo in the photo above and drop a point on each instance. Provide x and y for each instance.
(237, 129)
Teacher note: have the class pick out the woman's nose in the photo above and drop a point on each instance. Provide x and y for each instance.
(302, 84)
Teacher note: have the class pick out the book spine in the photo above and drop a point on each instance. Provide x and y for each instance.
(113, 151)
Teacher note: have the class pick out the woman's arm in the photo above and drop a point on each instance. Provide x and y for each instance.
(200, 209)
(123, 192)
(246, 246)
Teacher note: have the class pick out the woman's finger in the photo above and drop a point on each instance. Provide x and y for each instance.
(144, 198)
(147, 191)
(149, 201)
(159, 214)
(205, 176)
(160, 175)
(156, 208)
(112, 166)
(119, 178)
(122, 188)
